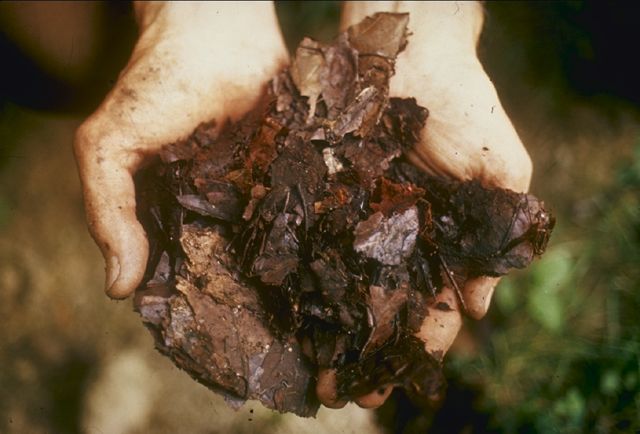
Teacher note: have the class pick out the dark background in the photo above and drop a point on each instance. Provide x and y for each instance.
(588, 47)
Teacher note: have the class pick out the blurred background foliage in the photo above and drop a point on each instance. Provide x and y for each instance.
(559, 350)
(563, 354)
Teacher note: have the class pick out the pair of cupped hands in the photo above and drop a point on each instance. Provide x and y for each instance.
(194, 62)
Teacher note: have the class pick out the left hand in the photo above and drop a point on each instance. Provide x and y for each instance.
(190, 65)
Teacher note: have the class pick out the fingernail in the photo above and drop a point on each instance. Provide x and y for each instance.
(112, 272)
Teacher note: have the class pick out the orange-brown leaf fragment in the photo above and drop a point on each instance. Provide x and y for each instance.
(390, 198)
(262, 149)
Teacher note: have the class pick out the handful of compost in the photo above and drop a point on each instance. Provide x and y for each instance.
(300, 238)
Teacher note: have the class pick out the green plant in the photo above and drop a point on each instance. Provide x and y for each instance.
(564, 351)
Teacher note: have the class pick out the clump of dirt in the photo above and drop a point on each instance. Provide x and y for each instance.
(300, 237)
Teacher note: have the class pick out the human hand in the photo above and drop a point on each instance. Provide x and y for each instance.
(467, 136)
(191, 64)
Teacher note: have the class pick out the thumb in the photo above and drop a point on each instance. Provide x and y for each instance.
(109, 197)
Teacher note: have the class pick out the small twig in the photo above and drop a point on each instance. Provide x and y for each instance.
(371, 322)
(231, 242)
(293, 234)
(245, 251)
(263, 242)
(453, 283)
(514, 217)
(286, 202)
(304, 208)
(424, 272)
(396, 329)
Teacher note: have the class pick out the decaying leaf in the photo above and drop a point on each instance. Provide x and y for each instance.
(303, 226)
(389, 241)
(382, 35)
(306, 70)
(213, 325)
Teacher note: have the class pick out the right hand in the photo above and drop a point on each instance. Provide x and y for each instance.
(193, 62)
(468, 135)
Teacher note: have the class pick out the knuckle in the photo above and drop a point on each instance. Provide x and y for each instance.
(87, 140)
(80, 140)
(522, 169)
(96, 142)
(525, 166)
(513, 169)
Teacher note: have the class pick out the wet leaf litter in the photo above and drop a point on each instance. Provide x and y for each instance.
(300, 238)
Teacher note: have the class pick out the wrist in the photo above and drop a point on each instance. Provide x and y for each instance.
(439, 29)
(210, 23)
(212, 43)
(189, 13)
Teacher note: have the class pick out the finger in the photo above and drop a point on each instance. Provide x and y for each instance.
(441, 324)
(327, 390)
(477, 295)
(110, 206)
(376, 398)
